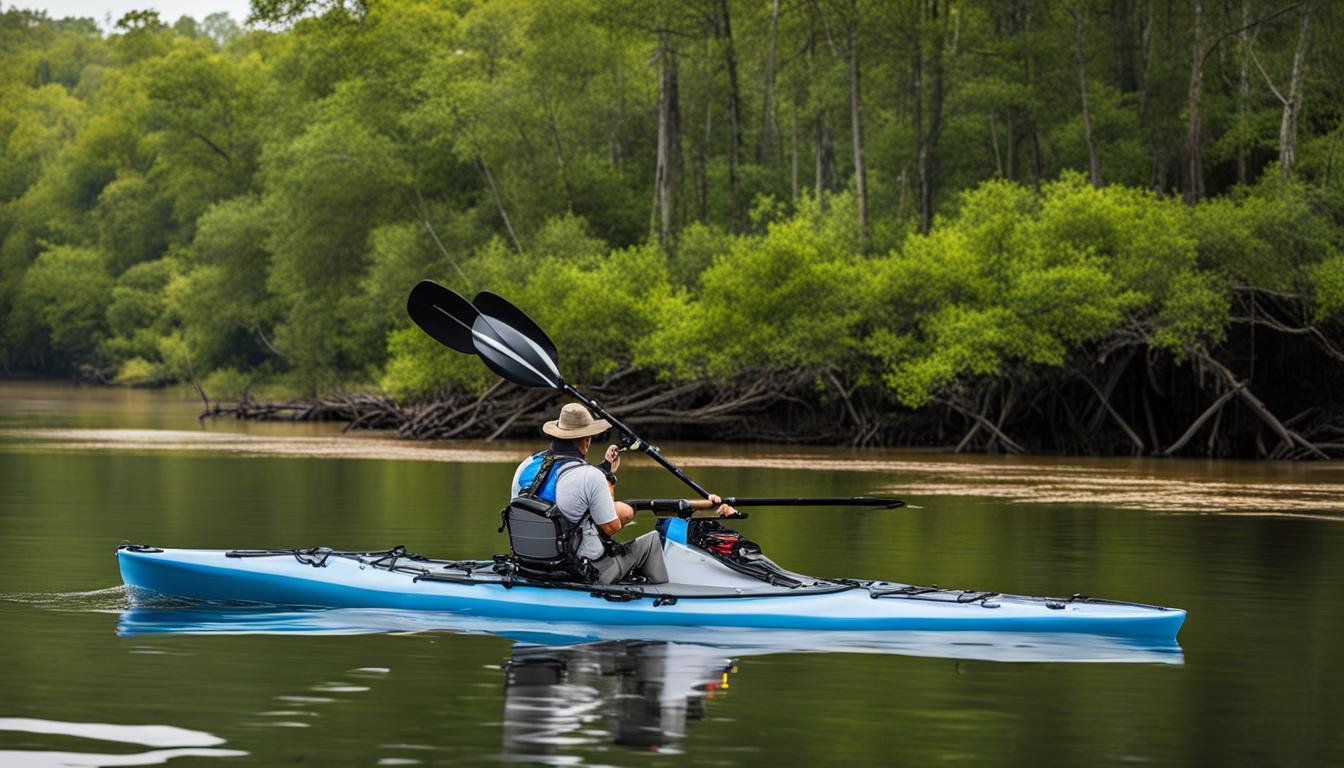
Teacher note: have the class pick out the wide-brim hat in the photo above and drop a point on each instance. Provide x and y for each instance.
(575, 422)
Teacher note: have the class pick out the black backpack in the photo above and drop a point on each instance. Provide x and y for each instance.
(544, 542)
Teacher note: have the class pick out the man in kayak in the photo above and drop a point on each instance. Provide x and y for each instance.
(584, 495)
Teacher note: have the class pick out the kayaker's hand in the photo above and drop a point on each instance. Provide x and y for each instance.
(613, 457)
(724, 510)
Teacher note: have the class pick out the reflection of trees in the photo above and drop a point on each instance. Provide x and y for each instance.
(636, 694)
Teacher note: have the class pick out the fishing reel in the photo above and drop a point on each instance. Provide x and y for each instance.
(632, 443)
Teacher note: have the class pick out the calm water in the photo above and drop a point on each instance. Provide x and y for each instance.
(1254, 552)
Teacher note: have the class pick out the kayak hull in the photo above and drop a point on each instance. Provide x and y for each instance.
(351, 582)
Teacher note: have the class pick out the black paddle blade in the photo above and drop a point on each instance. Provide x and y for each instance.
(455, 322)
(512, 355)
(443, 314)
(497, 307)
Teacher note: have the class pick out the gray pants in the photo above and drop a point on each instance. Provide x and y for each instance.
(643, 556)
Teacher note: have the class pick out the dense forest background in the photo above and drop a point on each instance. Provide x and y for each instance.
(1079, 225)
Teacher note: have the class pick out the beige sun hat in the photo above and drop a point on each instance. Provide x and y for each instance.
(575, 422)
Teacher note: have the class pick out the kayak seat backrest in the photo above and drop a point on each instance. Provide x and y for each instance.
(535, 527)
(544, 542)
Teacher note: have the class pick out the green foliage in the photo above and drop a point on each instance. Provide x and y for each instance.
(781, 300)
(227, 312)
(63, 296)
(33, 129)
(1022, 279)
(228, 383)
(138, 372)
(252, 204)
(697, 246)
(1328, 286)
(1006, 282)
(133, 221)
(1267, 236)
(336, 167)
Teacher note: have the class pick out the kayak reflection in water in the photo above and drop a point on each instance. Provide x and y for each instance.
(584, 494)
(641, 693)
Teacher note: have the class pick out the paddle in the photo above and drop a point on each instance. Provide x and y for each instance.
(513, 346)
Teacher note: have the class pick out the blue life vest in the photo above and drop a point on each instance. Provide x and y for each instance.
(547, 490)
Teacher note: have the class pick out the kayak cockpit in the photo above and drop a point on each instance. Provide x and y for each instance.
(695, 574)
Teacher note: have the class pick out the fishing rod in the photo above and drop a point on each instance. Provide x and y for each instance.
(698, 508)
(691, 505)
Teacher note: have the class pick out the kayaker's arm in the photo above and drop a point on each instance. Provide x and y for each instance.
(624, 514)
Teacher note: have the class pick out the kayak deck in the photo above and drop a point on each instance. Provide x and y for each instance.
(394, 579)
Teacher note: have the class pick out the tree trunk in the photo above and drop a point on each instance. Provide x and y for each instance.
(1192, 175)
(928, 155)
(1293, 104)
(615, 151)
(825, 156)
(1093, 162)
(669, 139)
(994, 142)
(499, 204)
(1145, 57)
(768, 128)
(856, 121)
(702, 149)
(560, 162)
(793, 153)
(1145, 93)
(917, 107)
(1123, 45)
(1037, 160)
(734, 116)
(1030, 131)
(1243, 89)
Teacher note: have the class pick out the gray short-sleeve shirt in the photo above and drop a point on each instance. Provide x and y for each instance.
(580, 489)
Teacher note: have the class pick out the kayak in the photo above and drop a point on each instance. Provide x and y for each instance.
(732, 587)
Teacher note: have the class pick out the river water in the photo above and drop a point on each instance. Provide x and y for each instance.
(1254, 552)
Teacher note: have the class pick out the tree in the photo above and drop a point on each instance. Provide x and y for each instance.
(1292, 105)
(64, 296)
(220, 27)
(1193, 184)
(668, 164)
(1093, 162)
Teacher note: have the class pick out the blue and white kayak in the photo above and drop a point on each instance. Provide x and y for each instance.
(706, 590)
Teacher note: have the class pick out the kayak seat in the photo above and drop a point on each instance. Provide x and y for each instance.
(544, 542)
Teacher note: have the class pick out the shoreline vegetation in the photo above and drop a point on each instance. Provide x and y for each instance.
(1077, 228)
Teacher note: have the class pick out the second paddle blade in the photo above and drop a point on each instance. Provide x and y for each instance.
(512, 355)
(499, 308)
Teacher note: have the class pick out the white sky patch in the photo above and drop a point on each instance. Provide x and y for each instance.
(106, 12)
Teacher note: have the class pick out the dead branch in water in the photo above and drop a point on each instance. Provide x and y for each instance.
(363, 411)
(1095, 404)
